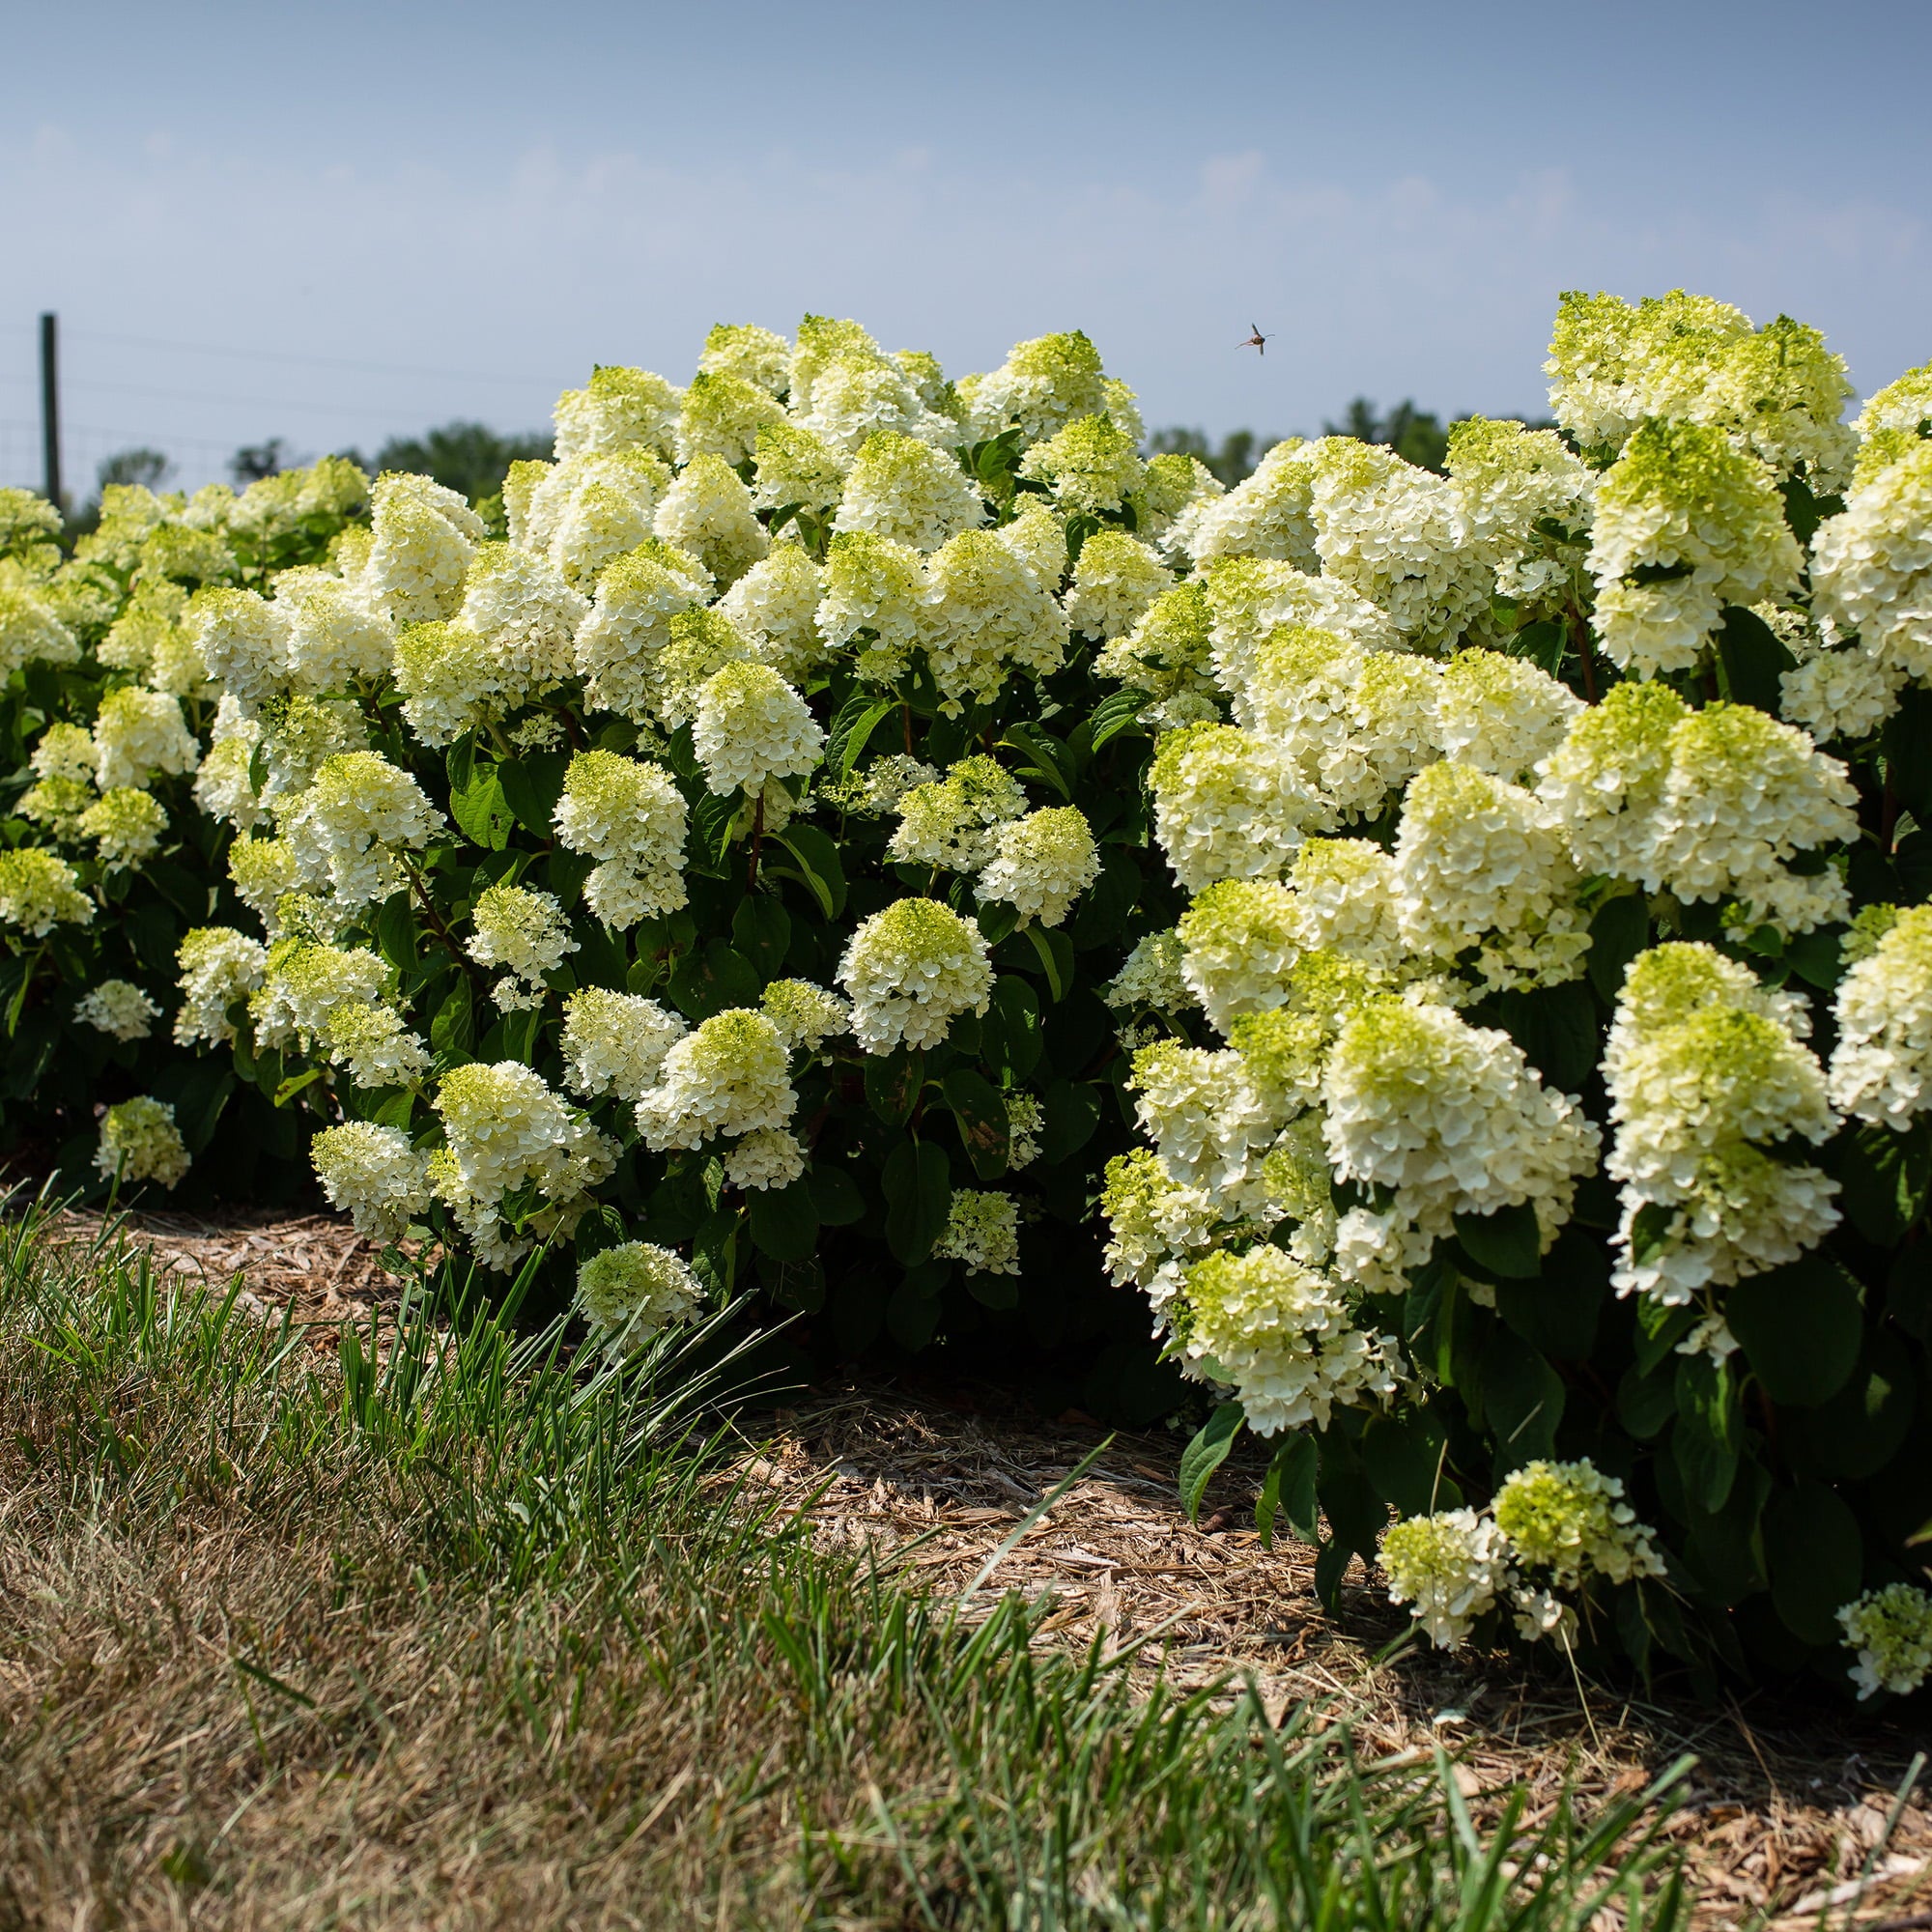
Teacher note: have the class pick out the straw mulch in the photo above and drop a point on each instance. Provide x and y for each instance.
(1791, 1817)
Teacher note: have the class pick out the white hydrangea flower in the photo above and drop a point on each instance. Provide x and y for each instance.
(424, 536)
(906, 489)
(1846, 693)
(874, 584)
(244, 641)
(304, 982)
(989, 615)
(66, 752)
(805, 1016)
(1882, 1066)
(219, 969)
(1092, 467)
(722, 417)
(1239, 940)
(748, 352)
(450, 681)
(751, 725)
(1448, 1568)
(1041, 864)
(1151, 979)
(373, 1174)
(1205, 1117)
(125, 825)
(224, 786)
(983, 1230)
(583, 513)
(1345, 901)
(618, 409)
(854, 396)
(1266, 516)
(956, 822)
(526, 615)
(709, 512)
(1283, 1335)
(631, 819)
(334, 638)
(1685, 525)
(619, 645)
(1450, 1119)
(139, 734)
(703, 641)
(1151, 1220)
(119, 1008)
(1517, 485)
(1605, 782)
(775, 604)
(1502, 715)
(1042, 385)
(1744, 797)
(523, 932)
(1228, 803)
(910, 970)
(1250, 597)
(139, 1141)
(797, 468)
(1480, 863)
(1890, 1629)
(30, 633)
(1871, 565)
(1026, 1119)
(1400, 536)
(1117, 579)
(351, 822)
(1570, 1520)
(263, 871)
(375, 1046)
(299, 734)
(635, 1290)
(1705, 1074)
(615, 1043)
(729, 1077)
(768, 1158)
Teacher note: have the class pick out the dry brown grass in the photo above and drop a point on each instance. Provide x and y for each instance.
(271, 1703)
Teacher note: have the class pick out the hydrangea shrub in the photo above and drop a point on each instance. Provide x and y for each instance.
(1534, 1089)
(119, 966)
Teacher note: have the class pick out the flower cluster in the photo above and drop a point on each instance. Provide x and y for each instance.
(139, 1141)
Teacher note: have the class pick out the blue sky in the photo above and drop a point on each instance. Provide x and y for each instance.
(335, 224)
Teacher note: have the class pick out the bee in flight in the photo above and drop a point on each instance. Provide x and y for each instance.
(1258, 342)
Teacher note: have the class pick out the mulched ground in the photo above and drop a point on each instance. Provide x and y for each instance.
(1786, 1815)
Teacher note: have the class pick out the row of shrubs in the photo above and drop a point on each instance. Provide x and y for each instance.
(839, 828)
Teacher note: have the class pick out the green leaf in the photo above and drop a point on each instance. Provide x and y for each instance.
(1403, 1456)
(1052, 761)
(798, 1285)
(1752, 658)
(1708, 1433)
(857, 719)
(912, 1315)
(1907, 1290)
(1859, 1430)
(453, 1029)
(1558, 1312)
(993, 1290)
(531, 787)
(893, 1082)
(707, 982)
(1072, 1114)
(1206, 1453)
(1800, 1326)
(784, 1222)
(1505, 1243)
(981, 1112)
(1010, 1033)
(762, 932)
(1645, 1403)
(1056, 958)
(1817, 957)
(1117, 716)
(1619, 932)
(295, 1084)
(1887, 1175)
(818, 864)
(1288, 1490)
(1816, 1557)
(835, 1195)
(919, 1196)
(1659, 1330)
(481, 811)
(1556, 1028)
(1523, 1400)
(1907, 743)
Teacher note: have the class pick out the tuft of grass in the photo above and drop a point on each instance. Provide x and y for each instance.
(481, 1633)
